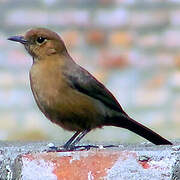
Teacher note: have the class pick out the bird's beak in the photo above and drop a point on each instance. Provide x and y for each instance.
(20, 39)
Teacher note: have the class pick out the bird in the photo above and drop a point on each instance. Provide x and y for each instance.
(70, 96)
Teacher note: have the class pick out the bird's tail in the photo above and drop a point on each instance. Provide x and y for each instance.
(125, 121)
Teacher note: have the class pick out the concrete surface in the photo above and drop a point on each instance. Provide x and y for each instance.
(42, 160)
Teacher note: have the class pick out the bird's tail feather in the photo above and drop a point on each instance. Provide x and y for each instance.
(125, 121)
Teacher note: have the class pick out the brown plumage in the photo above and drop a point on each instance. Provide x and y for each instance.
(70, 96)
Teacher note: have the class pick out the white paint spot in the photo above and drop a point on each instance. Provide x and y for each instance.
(37, 170)
(90, 176)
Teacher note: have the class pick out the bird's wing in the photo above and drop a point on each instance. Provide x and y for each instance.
(85, 83)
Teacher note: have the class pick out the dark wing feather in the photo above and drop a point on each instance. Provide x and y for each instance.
(85, 83)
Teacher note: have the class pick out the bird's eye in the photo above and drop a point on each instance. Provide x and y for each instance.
(40, 40)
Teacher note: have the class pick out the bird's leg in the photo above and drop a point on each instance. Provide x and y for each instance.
(71, 140)
(83, 133)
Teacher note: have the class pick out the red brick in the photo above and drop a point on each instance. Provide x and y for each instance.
(121, 39)
(97, 164)
(110, 60)
(95, 37)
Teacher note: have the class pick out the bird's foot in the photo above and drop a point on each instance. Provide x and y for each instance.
(79, 148)
(69, 148)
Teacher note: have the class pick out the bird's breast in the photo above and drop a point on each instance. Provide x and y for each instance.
(46, 81)
(58, 101)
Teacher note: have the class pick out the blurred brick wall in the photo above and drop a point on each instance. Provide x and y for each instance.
(130, 45)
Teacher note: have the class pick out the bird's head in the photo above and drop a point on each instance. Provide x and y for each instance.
(41, 42)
